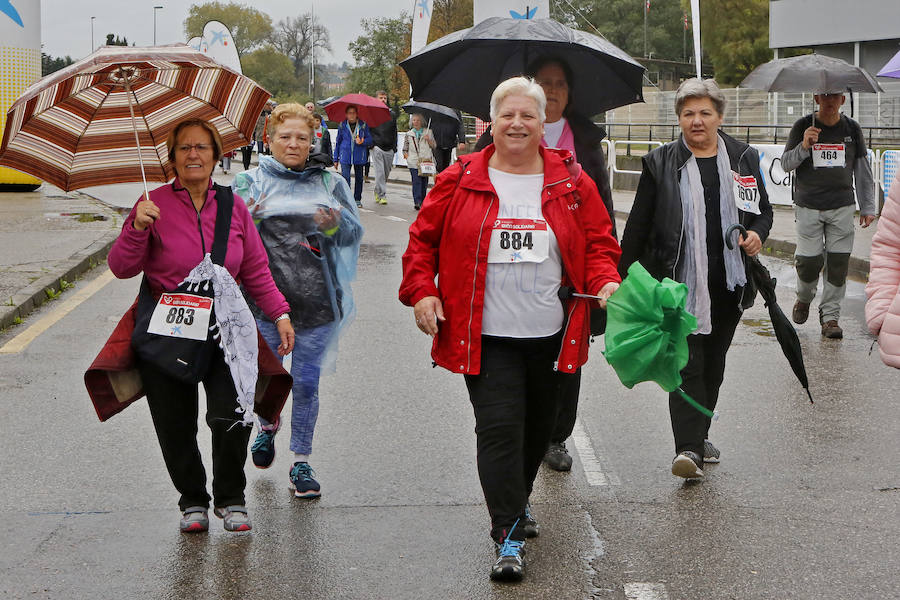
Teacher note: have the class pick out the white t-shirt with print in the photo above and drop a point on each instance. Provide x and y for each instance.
(553, 131)
(524, 268)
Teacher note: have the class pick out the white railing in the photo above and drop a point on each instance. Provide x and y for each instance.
(612, 150)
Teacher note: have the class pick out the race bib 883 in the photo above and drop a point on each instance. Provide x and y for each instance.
(182, 316)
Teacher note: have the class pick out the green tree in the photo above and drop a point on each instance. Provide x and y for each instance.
(622, 23)
(448, 16)
(384, 44)
(735, 37)
(114, 40)
(49, 64)
(272, 70)
(250, 27)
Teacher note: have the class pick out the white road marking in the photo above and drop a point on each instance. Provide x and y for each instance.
(393, 218)
(21, 341)
(593, 470)
(646, 591)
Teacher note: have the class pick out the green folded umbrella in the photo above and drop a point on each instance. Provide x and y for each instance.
(646, 332)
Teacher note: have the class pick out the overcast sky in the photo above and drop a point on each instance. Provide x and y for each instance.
(66, 24)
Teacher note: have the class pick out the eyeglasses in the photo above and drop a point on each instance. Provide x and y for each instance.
(186, 148)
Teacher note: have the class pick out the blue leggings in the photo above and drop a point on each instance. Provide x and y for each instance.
(306, 361)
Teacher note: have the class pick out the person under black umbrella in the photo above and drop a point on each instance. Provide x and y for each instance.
(566, 128)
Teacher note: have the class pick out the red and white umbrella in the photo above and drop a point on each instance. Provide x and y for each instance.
(371, 111)
(105, 118)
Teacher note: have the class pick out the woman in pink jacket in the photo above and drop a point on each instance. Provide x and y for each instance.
(883, 289)
(165, 236)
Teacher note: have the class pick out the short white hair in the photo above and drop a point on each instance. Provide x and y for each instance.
(519, 86)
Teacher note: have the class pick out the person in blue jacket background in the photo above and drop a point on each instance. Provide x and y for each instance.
(352, 148)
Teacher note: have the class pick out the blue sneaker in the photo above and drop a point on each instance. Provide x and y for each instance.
(305, 486)
(263, 448)
(510, 564)
(529, 524)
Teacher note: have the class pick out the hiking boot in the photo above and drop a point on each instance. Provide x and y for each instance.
(529, 524)
(711, 454)
(688, 465)
(800, 313)
(510, 563)
(263, 448)
(831, 329)
(234, 517)
(194, 520)
(305, 486)
(557, 457)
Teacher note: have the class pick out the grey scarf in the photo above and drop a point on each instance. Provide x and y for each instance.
(694, 269)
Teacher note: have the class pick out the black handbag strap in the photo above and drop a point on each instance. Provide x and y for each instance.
(224, 209)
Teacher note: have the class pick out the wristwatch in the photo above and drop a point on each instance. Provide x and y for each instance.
(282, 317)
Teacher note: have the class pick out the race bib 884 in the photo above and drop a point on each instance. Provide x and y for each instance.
(519, 240)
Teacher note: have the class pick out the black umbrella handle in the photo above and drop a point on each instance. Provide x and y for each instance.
(730, 230)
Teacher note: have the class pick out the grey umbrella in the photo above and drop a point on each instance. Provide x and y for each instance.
(430, 110)
(463, 68)
(810, 73)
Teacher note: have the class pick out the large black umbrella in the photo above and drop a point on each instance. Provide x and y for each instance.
(463, 68)
(784, 330)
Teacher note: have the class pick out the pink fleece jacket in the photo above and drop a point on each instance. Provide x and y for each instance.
(172, 246)
(883, 289)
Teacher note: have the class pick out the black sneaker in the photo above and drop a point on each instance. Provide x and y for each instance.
(688, 465)
(557, 457)
(303, 481)
(711, 454)
(263, 448)
(510, 563)
(529, 524)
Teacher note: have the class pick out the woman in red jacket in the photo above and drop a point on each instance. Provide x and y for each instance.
(502, 231)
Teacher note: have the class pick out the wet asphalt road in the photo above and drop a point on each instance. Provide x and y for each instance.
(805, 503)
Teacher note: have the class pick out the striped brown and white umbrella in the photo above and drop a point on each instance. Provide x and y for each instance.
(82, 126)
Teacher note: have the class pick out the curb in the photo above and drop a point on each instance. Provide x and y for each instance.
(35, 295)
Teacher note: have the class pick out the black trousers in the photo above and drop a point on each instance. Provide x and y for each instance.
(245, 156)
(174, 408)
(703, 375)
(567, 408)
(441, 158)
(514, 398)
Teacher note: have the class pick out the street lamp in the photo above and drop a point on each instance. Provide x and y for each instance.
(92, 33)
(155, 8)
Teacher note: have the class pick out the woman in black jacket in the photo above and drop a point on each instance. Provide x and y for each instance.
(691, 190)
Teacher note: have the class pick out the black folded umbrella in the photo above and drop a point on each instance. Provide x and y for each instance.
(784, 329)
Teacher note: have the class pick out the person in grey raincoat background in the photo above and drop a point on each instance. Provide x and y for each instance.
(310, 228)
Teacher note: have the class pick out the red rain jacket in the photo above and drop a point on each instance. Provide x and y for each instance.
(455, 225)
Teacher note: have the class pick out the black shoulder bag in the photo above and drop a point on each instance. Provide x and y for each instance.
(183, 358)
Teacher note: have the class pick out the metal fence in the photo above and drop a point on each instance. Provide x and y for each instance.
(758, 116)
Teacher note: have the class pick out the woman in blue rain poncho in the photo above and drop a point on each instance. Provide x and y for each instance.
(310, 227)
